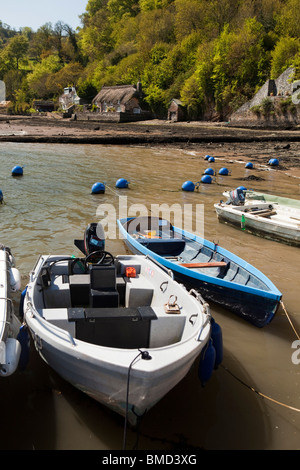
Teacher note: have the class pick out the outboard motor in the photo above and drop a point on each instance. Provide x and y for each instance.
(236, 197)
(93, 240)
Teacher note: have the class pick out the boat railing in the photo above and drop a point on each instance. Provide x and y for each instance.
(167, 270)
(63, 334)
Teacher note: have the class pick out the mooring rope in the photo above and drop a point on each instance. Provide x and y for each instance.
(256, 391)
(288, 317)
(259, 393)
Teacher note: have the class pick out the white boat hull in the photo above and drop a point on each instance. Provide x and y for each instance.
(283, 226)
(120, 378)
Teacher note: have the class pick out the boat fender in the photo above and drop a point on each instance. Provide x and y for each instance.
(17, 171)
(122, 183)
(207, 363)
(188, 186)
(206, 179)
(98, 188)
(209, 171)
(1, 196)
(24, 340)
(13, 353)
(273, 162)
(15, 280)
(21, 303)
(217, 340)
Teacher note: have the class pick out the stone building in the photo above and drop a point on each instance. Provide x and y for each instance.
(176, 111)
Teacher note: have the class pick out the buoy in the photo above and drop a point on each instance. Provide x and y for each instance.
(224, 172)
(273, 162)
(249, 165)
(98, 188)
(188, 186)
(207, 363)
(217, 340)
(209, 171)
(242, 188)
(1, 196)
(17, 171)
(211, 159)
(207, 179)
(206, 157)
(122, 183)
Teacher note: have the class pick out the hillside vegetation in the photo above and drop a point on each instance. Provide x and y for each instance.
(213, 55)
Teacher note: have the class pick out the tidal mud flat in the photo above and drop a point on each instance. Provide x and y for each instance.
(218, 138)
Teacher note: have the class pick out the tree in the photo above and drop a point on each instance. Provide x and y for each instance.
(15, 51)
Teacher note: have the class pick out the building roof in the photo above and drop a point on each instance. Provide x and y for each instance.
(117, 94)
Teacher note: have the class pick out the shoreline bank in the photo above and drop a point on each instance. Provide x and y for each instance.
(243, 143)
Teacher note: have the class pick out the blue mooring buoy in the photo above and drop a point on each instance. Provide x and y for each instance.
(224, 172)
(273, 162)
(98, 188)
(211, 159)
(17, 171)
(249, 165)
(188, 186)
(206, 179)
(206, 157)
(122, 183)
(209, 171)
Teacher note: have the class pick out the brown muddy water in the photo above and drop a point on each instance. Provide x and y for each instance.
(51, 205)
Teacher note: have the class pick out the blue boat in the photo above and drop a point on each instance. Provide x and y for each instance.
(219, 275)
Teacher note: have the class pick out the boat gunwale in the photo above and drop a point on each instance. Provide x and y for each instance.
(74, 343)
(273, 294)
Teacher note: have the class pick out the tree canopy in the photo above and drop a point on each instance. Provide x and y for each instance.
(213, 55)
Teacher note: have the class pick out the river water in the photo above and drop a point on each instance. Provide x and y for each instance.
(51, 205)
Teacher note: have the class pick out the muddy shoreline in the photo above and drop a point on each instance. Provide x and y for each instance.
(242, 143)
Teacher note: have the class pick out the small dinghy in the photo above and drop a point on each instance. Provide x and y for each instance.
(119, 328)
(219, 275)
(10, 283)
(278, 220)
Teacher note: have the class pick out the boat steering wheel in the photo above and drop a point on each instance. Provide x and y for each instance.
(99, 258)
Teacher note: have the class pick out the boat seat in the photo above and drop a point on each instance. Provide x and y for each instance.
(161, 246)
(120, 327)
(79, 289)
(103, 292)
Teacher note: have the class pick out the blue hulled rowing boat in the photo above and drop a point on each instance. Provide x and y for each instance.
(219, 275)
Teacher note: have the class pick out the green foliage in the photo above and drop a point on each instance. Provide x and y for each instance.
(212, 54)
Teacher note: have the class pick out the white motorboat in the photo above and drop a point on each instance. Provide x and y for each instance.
(119, 328)
(10, 283)
(273, 220)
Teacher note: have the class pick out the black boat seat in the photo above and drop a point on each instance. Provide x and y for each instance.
(127, 328)
(104, 291)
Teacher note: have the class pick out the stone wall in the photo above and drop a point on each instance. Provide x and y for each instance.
(112, 117)
(254, 113)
